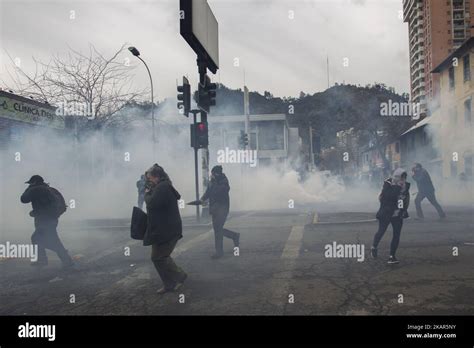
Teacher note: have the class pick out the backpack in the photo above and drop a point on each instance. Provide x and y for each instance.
(59, 205)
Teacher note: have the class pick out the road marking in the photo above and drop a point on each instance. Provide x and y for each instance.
(280, 283)
(147, 271)
(293, 244)
(316, 218)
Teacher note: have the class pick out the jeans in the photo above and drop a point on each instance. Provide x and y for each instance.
(218, 220)
(397, 224)
(432, 199)
(169, 272)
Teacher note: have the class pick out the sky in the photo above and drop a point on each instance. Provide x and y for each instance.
(281, 46)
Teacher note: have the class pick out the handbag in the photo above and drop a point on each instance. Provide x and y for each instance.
(138, 224)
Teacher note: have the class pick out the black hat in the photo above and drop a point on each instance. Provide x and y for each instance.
(216, 170)
(35, 179)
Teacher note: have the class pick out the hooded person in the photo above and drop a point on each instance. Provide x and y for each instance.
(48, 204)
(219, 203)
(394, 201)
(425, 190)
(164, 227)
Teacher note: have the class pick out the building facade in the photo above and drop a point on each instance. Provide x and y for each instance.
(435, 29)
(455, 111)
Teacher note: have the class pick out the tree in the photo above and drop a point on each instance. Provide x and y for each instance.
(89, 85)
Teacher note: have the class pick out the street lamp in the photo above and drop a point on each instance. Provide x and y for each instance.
(136, 53)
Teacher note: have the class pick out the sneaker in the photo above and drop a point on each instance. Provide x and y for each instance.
(373, 252)
(216, 256)
(180, 284)
(392, 260)
(237, 240)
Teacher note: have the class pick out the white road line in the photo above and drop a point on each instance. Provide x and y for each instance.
(147, 271)
(280, 283)
(293, 244)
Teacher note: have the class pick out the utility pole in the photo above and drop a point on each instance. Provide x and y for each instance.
(196, 171)
(247, 114)
(202, 68)
(327, 67)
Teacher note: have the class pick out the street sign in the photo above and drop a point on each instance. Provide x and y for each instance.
(200, 29)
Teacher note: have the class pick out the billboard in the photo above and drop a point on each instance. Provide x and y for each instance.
(200, 29)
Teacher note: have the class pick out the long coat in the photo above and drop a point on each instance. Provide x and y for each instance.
(163, 218)
(389, 198)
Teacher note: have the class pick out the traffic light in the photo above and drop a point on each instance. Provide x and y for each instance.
(199, 135)
(184, 97)
(243, 139)
(206, 96)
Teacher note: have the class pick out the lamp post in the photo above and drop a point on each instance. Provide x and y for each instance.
(136, 53)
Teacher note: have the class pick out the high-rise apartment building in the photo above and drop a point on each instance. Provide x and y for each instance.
(435, 29)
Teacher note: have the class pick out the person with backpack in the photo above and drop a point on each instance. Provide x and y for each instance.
(48, 205)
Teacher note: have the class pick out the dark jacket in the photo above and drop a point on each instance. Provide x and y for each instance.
(389, 198)
(218, 194)
(42, 200)
(423, 181)
(163, 220)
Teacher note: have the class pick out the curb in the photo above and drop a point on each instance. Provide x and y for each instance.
(317, 222)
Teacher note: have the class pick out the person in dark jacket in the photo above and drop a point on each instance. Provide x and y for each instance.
(218, 195)
(164, 227)
(44, 204)
(394, 200)
(425, 190)
(141, 185)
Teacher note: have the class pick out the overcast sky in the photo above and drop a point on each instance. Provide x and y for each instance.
(281, 44)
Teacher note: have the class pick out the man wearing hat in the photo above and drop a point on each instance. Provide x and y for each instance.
(218, 195)
(47, 205)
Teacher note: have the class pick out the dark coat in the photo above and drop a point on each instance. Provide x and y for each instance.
(42, 200)
(423, 181)
(389, 198)
(163, 220)
(218, 194)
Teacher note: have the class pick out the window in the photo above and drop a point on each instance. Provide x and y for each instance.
(451, 78)
(397, 147)
(467, 112)
(467, 68)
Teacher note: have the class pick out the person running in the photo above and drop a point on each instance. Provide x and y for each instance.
(425, 190)
(48, 204)
(394, 200)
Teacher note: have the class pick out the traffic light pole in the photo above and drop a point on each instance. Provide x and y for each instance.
(196, 172)
(202, 67)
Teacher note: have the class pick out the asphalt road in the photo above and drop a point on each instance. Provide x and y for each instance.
(282, 269)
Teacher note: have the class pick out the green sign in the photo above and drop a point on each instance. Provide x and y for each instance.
(30, 113)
